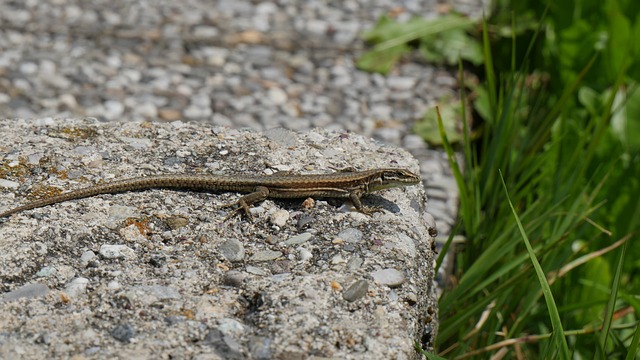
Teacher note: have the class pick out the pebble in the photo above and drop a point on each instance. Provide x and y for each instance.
(229, 326)
(256, 270)
(406, 244)
(117, 252)
(118, 213)
(162, 292)
(113, 109)
(355, 263)
(132, 234)
(305, 220)
(351, 235)
(46, 271)
(205, 31)
(232, 250)
(28, 68)
(411, 298)
(123, 332)
(157, 260)
(389, 277)
(260, 347)
(77, 287)
(9, 184)
(277, 96)
(298, 239)
(234, 278)
(28, 291)
(136, 143)
(401, 82)
(356, 291)
(279, 217)
(305, 255)
(176, 222)
(226, 346)
(114, 285)
(415, 142)
(337, 259)
(429, 220)
(266, 255)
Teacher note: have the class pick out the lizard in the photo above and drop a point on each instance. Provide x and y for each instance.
(348, 184)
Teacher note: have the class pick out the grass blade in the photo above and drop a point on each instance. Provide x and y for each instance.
(559, 337)
(606, 327)
(633, 348)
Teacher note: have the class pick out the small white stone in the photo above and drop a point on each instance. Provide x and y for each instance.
(305, 255)
(117, 252)
(338, 259)
(68, 100)
(131, 233)
(277, 96)
(77, 287)
(87, 256)
(146, 109)
(9, 184)
(28, 68)
(113, 109)
(203, 31)
(390, 277)
(279, 217)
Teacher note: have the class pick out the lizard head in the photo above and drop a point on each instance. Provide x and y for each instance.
(391, 178)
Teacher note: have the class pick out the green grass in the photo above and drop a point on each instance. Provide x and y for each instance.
(550, 185)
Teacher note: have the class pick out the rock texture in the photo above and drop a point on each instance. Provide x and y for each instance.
(139, 274)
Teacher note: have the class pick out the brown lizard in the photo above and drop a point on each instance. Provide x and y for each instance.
(345, 184)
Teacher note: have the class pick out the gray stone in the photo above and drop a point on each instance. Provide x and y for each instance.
(266, 255)
(260, 347)
(298, 239)
(406, 244)
(117, 252)
(232, 250)
(231, 327)
(279, 217)
(28, 291)
(9, 184)
(46, 271)
(77, 287)
(389, 277)
(356, 291)
(123, 333)
(226, 346)
(354, 263)
(305, 255)
(351, 235)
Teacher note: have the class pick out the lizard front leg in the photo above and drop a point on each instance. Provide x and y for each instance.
(355, 196)
(261, 193)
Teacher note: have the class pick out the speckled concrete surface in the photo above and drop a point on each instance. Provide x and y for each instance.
(142, 274)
